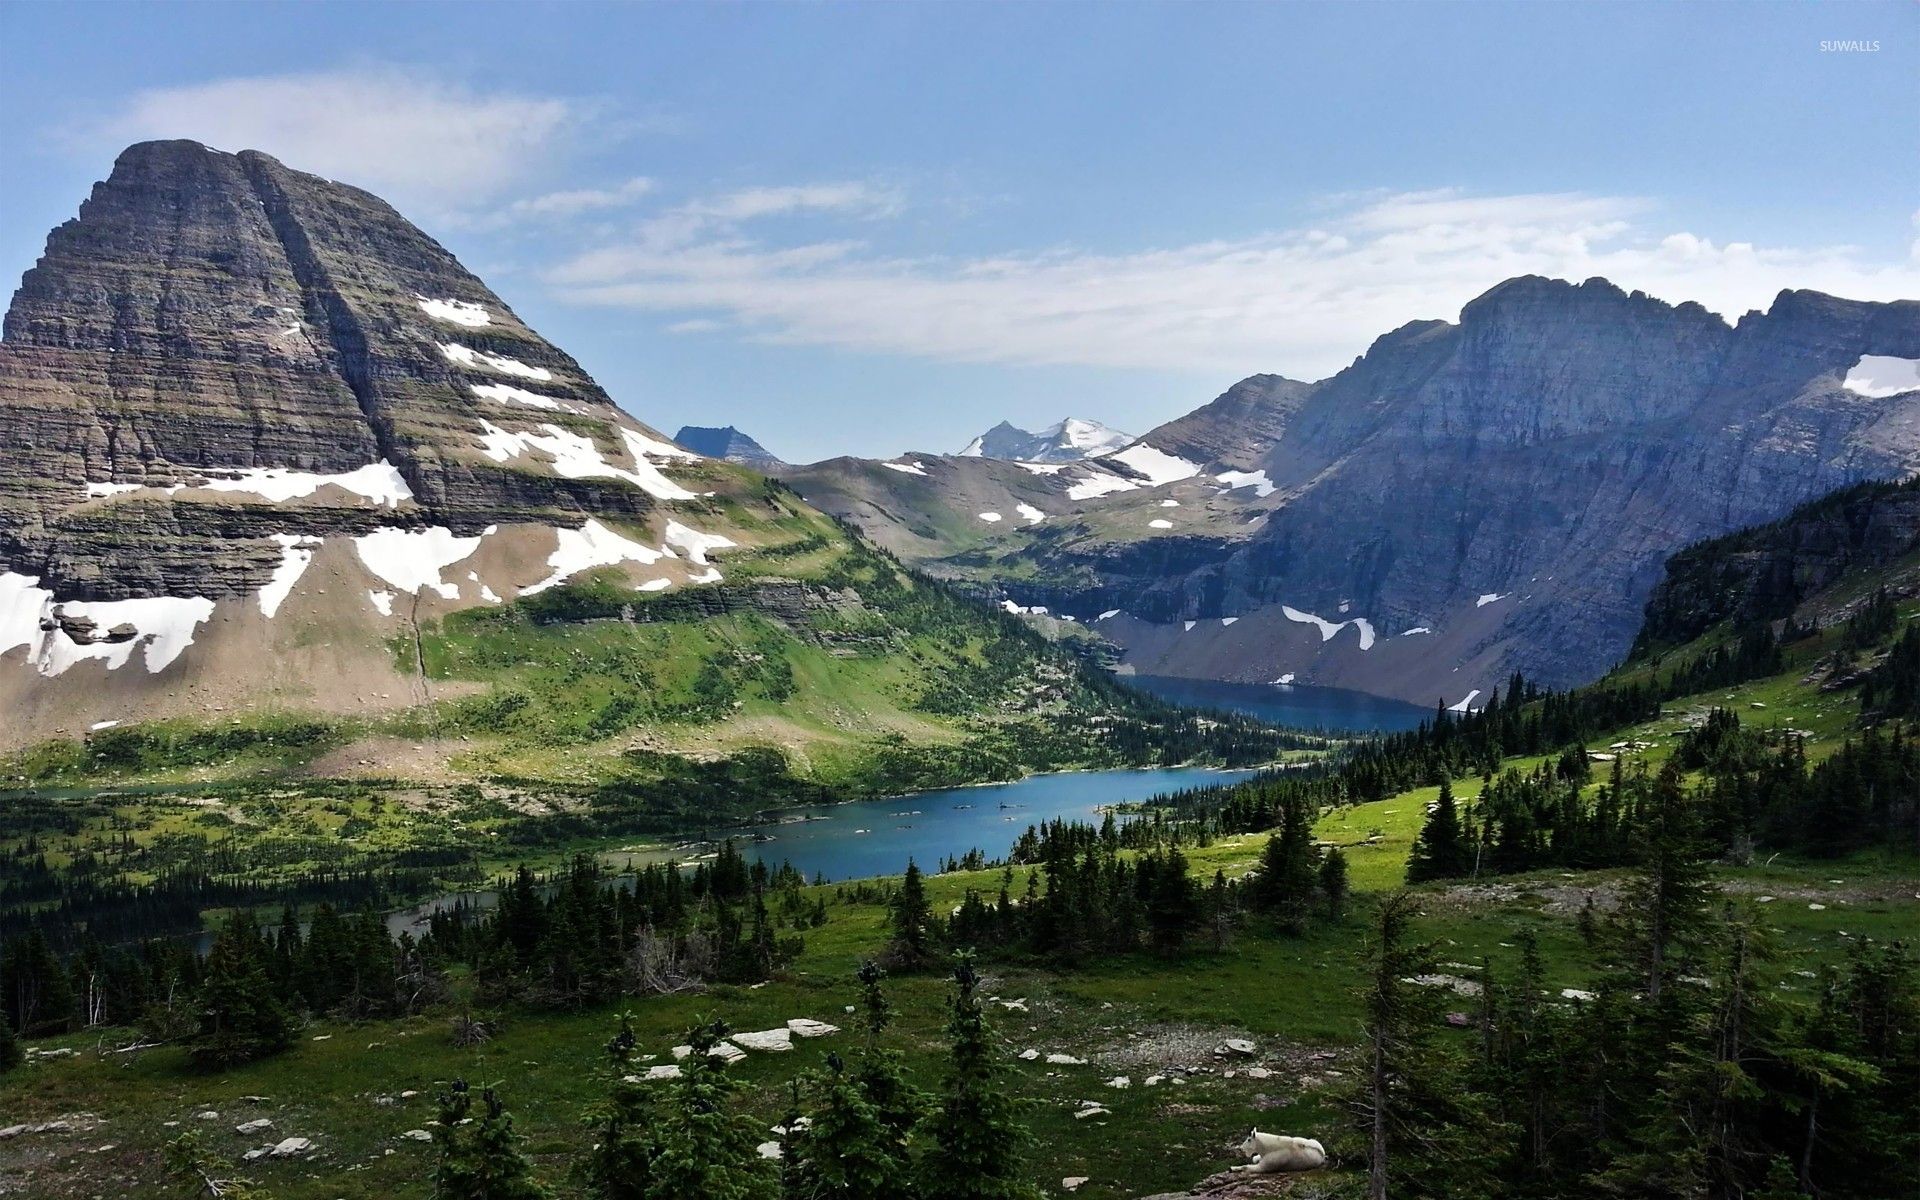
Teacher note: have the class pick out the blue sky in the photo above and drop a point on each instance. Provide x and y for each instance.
(870, 227)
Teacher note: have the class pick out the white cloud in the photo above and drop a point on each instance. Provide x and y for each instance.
(581, 200)
(1302, 301)
(409, 136)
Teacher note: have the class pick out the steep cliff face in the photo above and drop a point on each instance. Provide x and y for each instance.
(273, 454)
(1765, 573)
(1466, 499)
(215, 331)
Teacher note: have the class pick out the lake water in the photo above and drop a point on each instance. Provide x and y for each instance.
(876, 837)
(1298, 705)
(864, 838)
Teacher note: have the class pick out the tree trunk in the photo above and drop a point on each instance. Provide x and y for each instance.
(1377, 1156)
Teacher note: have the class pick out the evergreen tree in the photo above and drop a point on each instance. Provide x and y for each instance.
(1333, 882)
(882, 1073)
(1170, 904)
(620, 1165)
(1426, 1135)
(240, 1017)
(975, 1133)
(10, 1053)
(1442, 850)
(912, 921)
(480, 1156)
(707, 1144)
(1289, 867)
(845, 1151)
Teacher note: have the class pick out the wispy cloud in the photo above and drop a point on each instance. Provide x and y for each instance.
(1303, 301)
(410, 135)
(581, 200)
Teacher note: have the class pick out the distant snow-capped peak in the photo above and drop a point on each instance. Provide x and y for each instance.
(1069, 440)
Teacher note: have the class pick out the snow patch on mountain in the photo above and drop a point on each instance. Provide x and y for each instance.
(591, 545)
(1879, 375)
(455, 312)
(159, 626)
(296, 552)
(695, 543)
(467, 356)
(1257, 480)
(506, 393)
(1157, 465)
(1099, 483)
(576, 457)
(412, 559)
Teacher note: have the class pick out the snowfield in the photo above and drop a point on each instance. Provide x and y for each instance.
(296, 552)
(695, 543)
(411, 559)
(1157, 465)
(591, 545)
(455, 312)
(1257, 480)
(1878, 375)
(1099, 483)
(160, 626)
(1329, 628)
(576, 457)
(506, 393)
(467, 356)
(379, 482)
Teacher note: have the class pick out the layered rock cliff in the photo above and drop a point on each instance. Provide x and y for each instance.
(272, 454)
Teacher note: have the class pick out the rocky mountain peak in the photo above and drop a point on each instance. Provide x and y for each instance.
(224, 371)
(726, 442)
(1069, 440)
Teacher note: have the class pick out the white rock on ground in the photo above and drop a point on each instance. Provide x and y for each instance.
(771, 1041)
(807, 1028)
(253, 1126)
(1066, 1060)
(292, 1146)
(417, 1135)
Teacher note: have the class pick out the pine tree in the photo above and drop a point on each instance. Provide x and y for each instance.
(1441, 851)
(1170, 906)
(845, 1151)
(480, 1156)
(620, 1165)
(881, 1072)
(1289, 867)
(1427, 1133)
(976, 1136)
(240, 1017)
(707, 1143)
(1333, 882)
(912, 943)
(10, 1053)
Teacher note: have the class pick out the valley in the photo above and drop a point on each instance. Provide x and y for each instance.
(1489, 770)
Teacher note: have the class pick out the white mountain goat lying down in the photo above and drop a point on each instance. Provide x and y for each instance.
(1272, 1153)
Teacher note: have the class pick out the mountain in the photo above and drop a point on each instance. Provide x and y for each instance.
(287, 486)
(1065, 441)
(726, 443)
(1465, 500)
